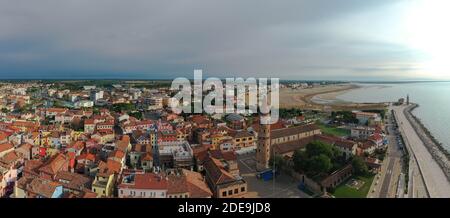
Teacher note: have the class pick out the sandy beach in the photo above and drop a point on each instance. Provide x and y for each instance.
(322, 98)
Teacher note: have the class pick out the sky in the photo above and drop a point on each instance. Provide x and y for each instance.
(160, 39)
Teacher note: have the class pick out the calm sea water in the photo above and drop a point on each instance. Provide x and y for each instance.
(433, 99)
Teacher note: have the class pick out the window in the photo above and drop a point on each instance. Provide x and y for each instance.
(236, 191)
(224, 194)
(121, 192)
(242, 189)
(230, 192)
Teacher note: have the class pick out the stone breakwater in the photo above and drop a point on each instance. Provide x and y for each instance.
(441, 155)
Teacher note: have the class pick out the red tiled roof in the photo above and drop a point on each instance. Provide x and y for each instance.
(291, 146)
(216, 172)
(55, 164)
(147, 181)
(177, 184)
(89, 122)
(9, 158)
(278, 133)
(376, 137)
(335, 141)
(110, 167)
(56, 110)
(6, 146)
(3, 135)
(225, 155)
(78, 145)
(86, 156)
(43, 187)
(147, 157)
(196, 185)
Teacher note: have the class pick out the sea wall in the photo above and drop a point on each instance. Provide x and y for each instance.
(439, 153)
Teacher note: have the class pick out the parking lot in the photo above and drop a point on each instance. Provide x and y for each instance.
(283, 186)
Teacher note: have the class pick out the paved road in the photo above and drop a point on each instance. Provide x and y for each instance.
(434, 178)
(386, 181)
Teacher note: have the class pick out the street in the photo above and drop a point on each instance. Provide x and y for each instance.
(386, 182)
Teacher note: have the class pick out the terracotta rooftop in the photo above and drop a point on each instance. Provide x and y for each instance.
(218, 175)
(9, 159)
(291, 146)
(43, 187)
(6, 146)
(196, 184)
(146, 181)
(55, 164)
(72, 180)
(333, 140)
(278, 133)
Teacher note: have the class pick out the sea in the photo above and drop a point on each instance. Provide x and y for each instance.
(433, 99)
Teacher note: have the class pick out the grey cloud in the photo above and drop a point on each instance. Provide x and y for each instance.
(152, 39)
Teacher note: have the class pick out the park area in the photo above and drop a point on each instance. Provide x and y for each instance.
(334, 130)
(355, 187)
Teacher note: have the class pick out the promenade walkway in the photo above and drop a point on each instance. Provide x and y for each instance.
(435, 180)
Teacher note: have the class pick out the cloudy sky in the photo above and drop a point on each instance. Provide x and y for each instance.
(289, 39)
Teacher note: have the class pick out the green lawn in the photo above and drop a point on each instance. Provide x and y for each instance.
(334, 130)
(344, 191)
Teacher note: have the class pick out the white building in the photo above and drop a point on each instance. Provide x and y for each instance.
(367, 118)
(96, 95)
(154, 102)
(84, 103)
(20, 91)
(180, 151)
(89, 87)
(362, 132)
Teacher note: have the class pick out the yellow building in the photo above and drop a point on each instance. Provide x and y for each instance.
(75, 135)
(242, 139)
(103, 185)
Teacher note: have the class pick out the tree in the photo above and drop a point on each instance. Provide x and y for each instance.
(359, 166)
(300, 160)
(123, 107)
(319, 164)
(316, 148)
(137, 115)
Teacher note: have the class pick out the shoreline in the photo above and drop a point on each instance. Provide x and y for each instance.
(307, 99)
(439, 153)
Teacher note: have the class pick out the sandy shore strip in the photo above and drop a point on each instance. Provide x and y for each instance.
(322, 97)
